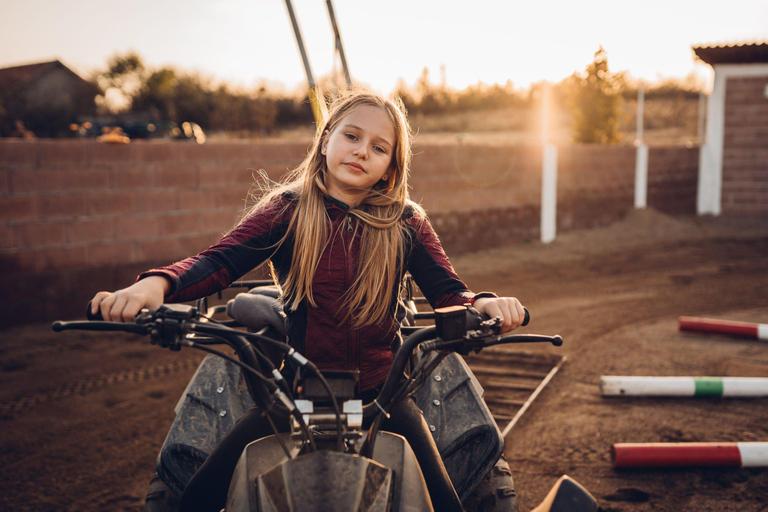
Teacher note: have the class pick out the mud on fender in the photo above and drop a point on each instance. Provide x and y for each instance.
(206, 412)
(465, 432)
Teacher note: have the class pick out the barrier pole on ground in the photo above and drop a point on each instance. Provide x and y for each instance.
(667, 455)
(641, 158)
(744, 329)
(621, 385)
(548, 174)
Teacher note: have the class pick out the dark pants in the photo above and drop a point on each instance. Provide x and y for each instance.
(207, 491)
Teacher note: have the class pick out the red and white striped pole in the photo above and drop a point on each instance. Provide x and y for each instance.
(745, 329)
(668, 455)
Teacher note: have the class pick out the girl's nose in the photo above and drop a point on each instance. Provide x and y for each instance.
(360, 151)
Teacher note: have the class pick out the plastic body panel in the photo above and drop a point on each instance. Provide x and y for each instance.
(266, 480)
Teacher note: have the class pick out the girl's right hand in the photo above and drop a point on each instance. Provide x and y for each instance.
(123, 305)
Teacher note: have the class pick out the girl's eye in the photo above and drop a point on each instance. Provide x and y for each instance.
(350, 136)
(379, 149)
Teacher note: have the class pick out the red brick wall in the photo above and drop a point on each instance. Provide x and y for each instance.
(745, 146)
(673, 175)
(78, 216)
(595, 185)
(479, 196)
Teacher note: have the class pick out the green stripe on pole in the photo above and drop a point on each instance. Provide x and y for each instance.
(708, 387)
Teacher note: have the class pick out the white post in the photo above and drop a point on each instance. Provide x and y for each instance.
(711, 153)
(640, 112)
(641, 158)
(548, 174)
(702, 116)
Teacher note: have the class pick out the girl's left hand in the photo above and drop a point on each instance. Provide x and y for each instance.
(509, 309)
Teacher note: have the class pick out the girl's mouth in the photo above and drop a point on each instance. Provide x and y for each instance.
(354, 167)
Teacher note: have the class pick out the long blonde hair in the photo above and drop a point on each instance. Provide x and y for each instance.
(382, 244)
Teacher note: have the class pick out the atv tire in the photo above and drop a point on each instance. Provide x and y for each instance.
(160, 497)
(495, 492)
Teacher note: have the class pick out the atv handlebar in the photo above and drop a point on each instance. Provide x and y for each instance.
(458, 329)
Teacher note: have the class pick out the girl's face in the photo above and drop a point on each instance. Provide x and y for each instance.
(358, 153)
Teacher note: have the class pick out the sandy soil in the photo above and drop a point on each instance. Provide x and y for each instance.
(83, 416)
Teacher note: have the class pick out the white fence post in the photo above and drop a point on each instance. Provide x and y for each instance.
(549, 194)
(548, 174)
(641, 158)
(641, 177)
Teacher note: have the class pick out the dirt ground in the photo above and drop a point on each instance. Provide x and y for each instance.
(83, 416)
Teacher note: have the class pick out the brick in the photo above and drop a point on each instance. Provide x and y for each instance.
(132, 178)
(218, 221)
(57, 258)
(110, 204)
(178, 224)
(6, 237)
(90, 230)
(55, 180)
(221, 175)
(192, 245)
(85, 179)
(71, 152)
(40, 234)
(197, 199)
(184, 176)
(18, 208)
(196, 153)
(163, 200)
(23, 181)
(288, 153)
(115, 253)
(160, 249)
(154, 152)
(48, 259)
(135, 227)
(17, 153)
(241, 152)
(112, 154)
(5, 182)
(65, 205)
(275, 173)
(232, 197)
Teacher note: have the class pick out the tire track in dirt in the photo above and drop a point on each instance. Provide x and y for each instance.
(94, 384)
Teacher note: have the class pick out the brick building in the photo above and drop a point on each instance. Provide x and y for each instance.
(45, 96)
(733, 165)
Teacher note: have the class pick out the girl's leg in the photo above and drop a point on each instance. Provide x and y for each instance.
(207, 490)
(406, 419)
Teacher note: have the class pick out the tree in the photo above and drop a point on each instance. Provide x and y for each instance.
(595, 102)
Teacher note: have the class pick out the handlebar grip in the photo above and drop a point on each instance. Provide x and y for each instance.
(527, 317)
(91, 316)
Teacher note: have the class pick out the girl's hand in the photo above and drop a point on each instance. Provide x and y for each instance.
(508, 309)
(123, 305)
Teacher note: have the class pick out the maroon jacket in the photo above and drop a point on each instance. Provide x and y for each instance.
(318, 332)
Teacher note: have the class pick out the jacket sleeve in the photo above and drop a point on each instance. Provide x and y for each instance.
(431, 269)
(238, 252)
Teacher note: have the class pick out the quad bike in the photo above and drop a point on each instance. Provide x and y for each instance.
(328, 461)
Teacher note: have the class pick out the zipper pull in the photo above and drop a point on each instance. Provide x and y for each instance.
(349, 224)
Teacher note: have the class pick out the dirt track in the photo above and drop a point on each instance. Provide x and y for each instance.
(82, 417)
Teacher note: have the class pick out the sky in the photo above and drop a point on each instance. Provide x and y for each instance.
(244, 42)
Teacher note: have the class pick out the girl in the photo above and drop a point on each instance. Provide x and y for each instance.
(339, 236)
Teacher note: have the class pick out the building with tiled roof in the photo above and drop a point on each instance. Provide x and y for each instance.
(733, 162)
